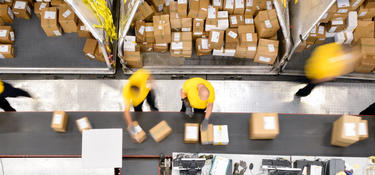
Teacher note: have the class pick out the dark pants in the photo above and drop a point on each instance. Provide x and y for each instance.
(369, 110)
(150, 100)
(195, 110)
(10, 91)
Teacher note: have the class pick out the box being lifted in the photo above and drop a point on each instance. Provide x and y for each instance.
(160, 131)
(221, 136)
(140, 135)
(207, 136)
(59, 121)
(191, 133)
(264, 126)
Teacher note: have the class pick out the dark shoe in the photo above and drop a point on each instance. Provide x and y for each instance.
(303, 92)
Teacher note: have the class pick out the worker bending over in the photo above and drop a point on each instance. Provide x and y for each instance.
(199, 94)
(7, 90)
(138, 88)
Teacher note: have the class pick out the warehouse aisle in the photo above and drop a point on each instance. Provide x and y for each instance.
(231, 96)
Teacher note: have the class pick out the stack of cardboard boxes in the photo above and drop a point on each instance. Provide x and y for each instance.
(181, 45)
(7, 39)
(132, 54)
(366, 63)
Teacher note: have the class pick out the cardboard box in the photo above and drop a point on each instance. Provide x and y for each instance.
(365, 65)
(266, 23)
(198, 28)
(265, 4)
(68, 19)
(182, 8)
(218, 4)
(59, 121)
(90, 48)
(369, 4)
(354, 4)
(191, 133)
(83, 31)
(221, 136)
(140, 135)
(236, 20)
(309, 45)
(160, 131)
(365, 12)
(162, 29)
(366, 46)
(301, 47)
(246, 28)
(248, 51)
(193, 8)
(8, 2)
(7, 35)
(158, 5)
(365, 29)
(345, 131)
(231, 38)
(336, 25)
(252, 7)
(239, 7)
(216, 39)
(140, 27)
(202, 47)
(249, 20)
(267, 51)
(149, 33)
(83, 124)
(161, 47)
(6, 13)
(39, 6)
(133, 59)
(146, 47)
(186, 24)
(223, 20)
(57, 3)
(229, 6)
(6, 51)
(203, 9)
(21, 9)
(49, 22)
(264, 126)
(207, 136)
(99, 54)
(247, 39)
(363, 130)
(145, 12)
(224, 52)
(181, 45)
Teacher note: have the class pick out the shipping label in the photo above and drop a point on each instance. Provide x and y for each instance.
(66, 13)
(215, 37)
(232, 34)
(265, 59)
(268, 24)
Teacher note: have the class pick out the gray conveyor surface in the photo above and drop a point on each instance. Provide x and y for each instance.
(29, 133)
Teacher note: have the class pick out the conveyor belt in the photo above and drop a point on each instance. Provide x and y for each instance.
(29, 134)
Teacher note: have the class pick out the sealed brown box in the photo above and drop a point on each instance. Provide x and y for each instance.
(301, 47)
(264, 126)
(176, 23)
(162, 29)
(145, 12)
(246, 51)
(203, 9)
(266, 23)
(216, 39)
(265, 4)
(229, 6)
(158, 5)
(160, 131)
(207, 137)
(6, 35)
(181, 45)
(191, 133)
(6, 51)
(369, 4)
(309, 45)
(8, 2)
(239, 7)
(336, 25)
(39, 6)
(6, 13)
(140, 135)
(231, 38)
(267, 51)
(149, 32)
(146, 47)
(367, 46)
(366, 65)
(99, 54)
(21, 9)
(161, 47)
(364, 13)
(83, 31)
(365, 29)
(57, 3)
(236, 20)
(194, 8)
(186, 24)
(83, 124)
(198, 28)
(68, 19)
(49, 22)
(182, 8)
(140, 33)
(252, 7)
(133, 59)
(363, 130)
(354, 4)
(246, 28)
(202, 47)
(247, 39)
(345, 131)
(59, 121)
(90, 48)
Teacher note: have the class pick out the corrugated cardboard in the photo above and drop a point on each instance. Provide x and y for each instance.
(236, 20)
(99, 54)
(239, 7)
(252, 7)
(149, 33)
(181, 45)
(265, 4)
(140, 33)
(57, 3)
(68, 19)
(301, 47)
(207, 136)
(133, 59)
(186, 24)
(39, 6)
(146, 47)
(203, 9)
(354, 4)
(248, 20)
(198, 28)
(266, 23)
(229, 6)
(267, 51)
(193, 8)
(8, 2)
(365, 12)
(59, 121)
(221, 136)
(145, 12)
(309, 45)
(248, 51)
(369, 4)
(224, 52)
(6, 51)
(83, 124)
(264, 126)
(140, 135)
(223, 20)
(161, 47)
(49, 22)
(21, 9)
(191, 133)
(83, 31)
(365, 65)
(160, 131)
(365, 29)
(158, 5)
(231, 38)
(6, 13)
(202, 47)
(246, 28)
(216, 39)
(248, 39)
(345, 131)
(162, 29)
(7, 35)
(367, 46)
(90, 48)
(336, 25)
(182, 8)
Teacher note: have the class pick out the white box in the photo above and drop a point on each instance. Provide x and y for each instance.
(221, 136)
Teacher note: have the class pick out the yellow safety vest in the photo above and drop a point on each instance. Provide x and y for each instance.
(190, 87)
(138, 79)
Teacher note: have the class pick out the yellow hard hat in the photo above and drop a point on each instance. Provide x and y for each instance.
(326, 61)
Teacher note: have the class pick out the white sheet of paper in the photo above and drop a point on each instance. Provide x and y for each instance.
(191, 132)
(350, 129)
(269, 123)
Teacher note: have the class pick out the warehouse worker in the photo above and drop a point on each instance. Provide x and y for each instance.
(199, 94)
(7, 90)
(326, 63)
(369, 110)
(135, 92)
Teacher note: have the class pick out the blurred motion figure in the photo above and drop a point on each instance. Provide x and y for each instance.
(7, 90)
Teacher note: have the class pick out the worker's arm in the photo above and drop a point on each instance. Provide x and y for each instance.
(183, 94)
(127, 116)
(209, 110)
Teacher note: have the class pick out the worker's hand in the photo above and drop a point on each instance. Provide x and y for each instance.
(205, 124)
(183, 94)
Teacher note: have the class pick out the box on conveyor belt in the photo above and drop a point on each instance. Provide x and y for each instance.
(309, 45)
(68, 19)
(264, 126)
(265, 5)
(207, 136)
(246, 28)
(149, 33)
(83, 124)
(236, 20)
(229, 6)
(342, 6)
(160, 131)
(161, 47)
(90, 48)
(202, 47)
(140, 135)
(239, 7)
(175, 20)
(193, 8)
(186, 24)
(231, 38)
(198, 27)
(266, 23)
(191, 133)
(59, 121)
(249, 20)
(354, 4)
(146, 47)
(6, 51)
(345, 131)
(144, 12)
(364, 13)
(140, 31)
(6, 13)
(203, 9)
(6, 35)
(162, 29)
(83, 31)
(39, 6)
(182, 45)
(267, 51)
(8, 2)
(21, 9)
(49, 22)
(182, 6)
(57, 3)
(248, 51)
(216, 39)
(365, 29)
(211, 21)
(158, 5)
(367, 46)
(221, 136)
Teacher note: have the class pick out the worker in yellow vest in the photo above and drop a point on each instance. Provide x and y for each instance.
(326, 63)
(7, 90)
(135, 92)
(199, 95)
